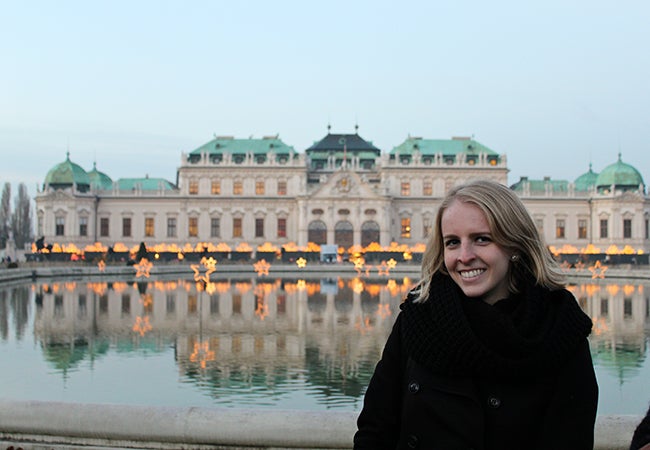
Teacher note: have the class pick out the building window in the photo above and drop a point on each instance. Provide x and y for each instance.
(604, 307)
(647, 229)
(282, 187)
(236, 227)
(215, 227)
(259, 227)
(627, 228)
(148, 226)
(405, 188)
(427, 227)
(603, 228)
(215, 187)
(259, 187)
(427, 188)
(238, 187)
(171, 227)
(193, 226)
(194, 187)
(126, 226)
(559, 228)
(582, 229)
(282, 227)
(59, 226)
(103, 226)
(405, 227)
(627, 308)
(83, 226)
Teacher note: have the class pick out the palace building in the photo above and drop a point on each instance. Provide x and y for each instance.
(341, 191)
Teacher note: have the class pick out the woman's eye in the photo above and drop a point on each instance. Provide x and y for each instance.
(451, 242)
(483, 239)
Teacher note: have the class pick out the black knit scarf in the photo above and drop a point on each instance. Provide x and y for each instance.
(525, 335)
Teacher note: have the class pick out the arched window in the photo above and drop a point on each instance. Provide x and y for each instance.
(317, 232)
(369, 233)
(343, 234)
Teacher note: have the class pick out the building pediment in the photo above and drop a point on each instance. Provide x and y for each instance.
(346, 184)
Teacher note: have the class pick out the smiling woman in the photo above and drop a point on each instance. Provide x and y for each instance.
(489, 351)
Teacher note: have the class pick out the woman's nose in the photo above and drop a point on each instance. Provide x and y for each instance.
(466, 253)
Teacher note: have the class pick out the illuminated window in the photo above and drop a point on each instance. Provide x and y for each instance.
(215, 187)
(427, 188)
(238, 187)
(603, 228)
(59, 226)
(194, 187)
(559, 228)
(282, 227)
(126, 226)
(83, 226)
(103, 226)
(236, 227)
(405, 227)
(171, 227)
(259, 187)
(259, 227)
(215, 227)
(282, 187)
(148, 226)
(627, 228)
(405, 188)
(193, 226)
(582, 229)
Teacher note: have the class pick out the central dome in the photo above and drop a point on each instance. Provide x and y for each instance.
(620, 176)
(67, 174)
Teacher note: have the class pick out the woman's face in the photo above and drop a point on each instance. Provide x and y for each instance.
(474, 261)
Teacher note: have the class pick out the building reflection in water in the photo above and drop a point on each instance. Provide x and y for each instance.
(252, 341)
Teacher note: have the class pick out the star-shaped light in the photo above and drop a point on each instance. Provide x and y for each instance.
(579, 266)
(598, 270)
(301, 262)
(143, 268)
(202, 353)
(142, 325)
(262, 267)
(210, 264)
(383, 269)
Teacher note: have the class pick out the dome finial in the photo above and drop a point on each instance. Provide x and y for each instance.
(619, 156)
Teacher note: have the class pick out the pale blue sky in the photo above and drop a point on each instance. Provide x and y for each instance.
(553, 84)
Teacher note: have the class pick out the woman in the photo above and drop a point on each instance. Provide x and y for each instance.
(489, 351)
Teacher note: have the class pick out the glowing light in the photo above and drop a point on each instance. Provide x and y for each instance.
(202, 354)
(262, 310)
(301, 262)
(143, 268)
(391, 263)
(210, 264)
(101, 265)
(301, 285)
(598, 270)
(142, 325)
(357, 285)
(579, 266)
(262, 267)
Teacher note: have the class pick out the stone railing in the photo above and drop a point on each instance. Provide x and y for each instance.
(34, 425)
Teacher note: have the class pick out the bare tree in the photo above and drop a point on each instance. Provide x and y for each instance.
(21, 219)
(5, 215)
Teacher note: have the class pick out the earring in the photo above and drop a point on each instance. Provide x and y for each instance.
(514, 258)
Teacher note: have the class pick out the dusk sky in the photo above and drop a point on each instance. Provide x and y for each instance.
(554, 85)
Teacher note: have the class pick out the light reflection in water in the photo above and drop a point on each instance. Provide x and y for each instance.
(308, 343)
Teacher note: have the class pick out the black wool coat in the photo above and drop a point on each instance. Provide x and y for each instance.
(408, 406)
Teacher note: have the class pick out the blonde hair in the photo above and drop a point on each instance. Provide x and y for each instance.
(512, 229)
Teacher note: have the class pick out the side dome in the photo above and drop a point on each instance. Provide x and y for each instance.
(621, 176)
(586, 181)
(99, 180)
(67, 174)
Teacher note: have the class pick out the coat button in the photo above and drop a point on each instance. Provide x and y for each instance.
(412, 441)
(414, 387)
(494, 402)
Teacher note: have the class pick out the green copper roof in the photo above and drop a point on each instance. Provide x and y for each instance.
(586, 181)
(145, 184)
(258, 147)
(99, 180)
(541, 185)
(66, 174)
(429, 147)
(619, 174)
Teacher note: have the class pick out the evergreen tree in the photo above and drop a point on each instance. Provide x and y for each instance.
(5, 215)
(21, 220)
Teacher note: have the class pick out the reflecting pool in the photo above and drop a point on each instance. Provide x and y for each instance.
(255, 341)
